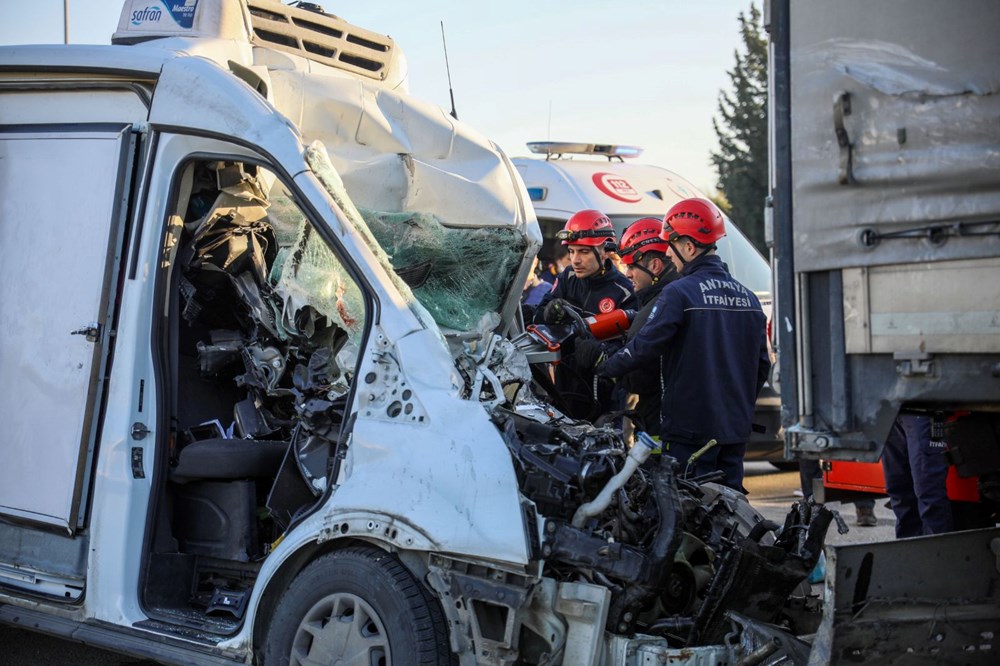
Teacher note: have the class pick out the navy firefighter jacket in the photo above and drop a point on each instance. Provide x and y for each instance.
(606, 291)
(710, 334)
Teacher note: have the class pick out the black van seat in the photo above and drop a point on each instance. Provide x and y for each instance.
(218, 459)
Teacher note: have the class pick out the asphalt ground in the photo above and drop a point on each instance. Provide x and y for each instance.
(771, 492)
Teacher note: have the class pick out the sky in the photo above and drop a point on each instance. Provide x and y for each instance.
(636, 72)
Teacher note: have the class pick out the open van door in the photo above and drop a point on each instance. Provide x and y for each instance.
(63, 194)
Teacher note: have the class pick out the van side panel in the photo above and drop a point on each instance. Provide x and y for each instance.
(57, 212)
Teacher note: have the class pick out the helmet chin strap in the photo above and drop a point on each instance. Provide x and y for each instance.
(600, 262)
(655, 277)
(680, 257)
(684, 262)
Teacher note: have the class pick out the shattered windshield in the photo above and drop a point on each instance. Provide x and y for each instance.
(458, 274)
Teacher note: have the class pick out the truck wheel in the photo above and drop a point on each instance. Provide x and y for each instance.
(356, 606)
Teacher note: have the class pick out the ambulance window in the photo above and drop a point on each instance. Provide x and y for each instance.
(550, 227)
(745, 263)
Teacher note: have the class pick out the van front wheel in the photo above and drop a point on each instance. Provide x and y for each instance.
(356, 606)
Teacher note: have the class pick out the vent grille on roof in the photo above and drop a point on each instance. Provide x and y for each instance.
(323, 38)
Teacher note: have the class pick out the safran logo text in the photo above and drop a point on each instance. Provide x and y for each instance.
(147, 15)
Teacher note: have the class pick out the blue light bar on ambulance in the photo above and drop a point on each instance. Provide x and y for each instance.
(556, 148)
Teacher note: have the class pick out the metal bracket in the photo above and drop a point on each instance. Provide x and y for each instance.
(828, 445)
(385, 393)
(91, 330)
(842, 108)
(914, 364)
(137, 468)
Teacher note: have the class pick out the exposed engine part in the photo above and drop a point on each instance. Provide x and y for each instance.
(637, 455)
(560, 467)
(487, 372)
(643, 570)
(674, 554)
(757, 580)
(691, 572)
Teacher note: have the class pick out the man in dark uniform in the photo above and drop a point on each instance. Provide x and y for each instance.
(644, 254)
(708, 331)
(916, 473)
(592, 286)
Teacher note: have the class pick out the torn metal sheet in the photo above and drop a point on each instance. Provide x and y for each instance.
(893, 69)
(927, 600)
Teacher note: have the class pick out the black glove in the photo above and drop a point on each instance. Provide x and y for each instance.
(555, 312)
(588, 353)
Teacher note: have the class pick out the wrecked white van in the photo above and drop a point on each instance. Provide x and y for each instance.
(265, 396)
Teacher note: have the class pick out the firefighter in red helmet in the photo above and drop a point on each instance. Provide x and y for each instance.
(644, 254)
(708, 332)
(591, 285)
(692, 228)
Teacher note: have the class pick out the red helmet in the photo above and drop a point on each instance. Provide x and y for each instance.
(640, 237)
(587, 227)
(699, 219)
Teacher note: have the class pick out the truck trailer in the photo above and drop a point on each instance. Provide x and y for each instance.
(884, 217)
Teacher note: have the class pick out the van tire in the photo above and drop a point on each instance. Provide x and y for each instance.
(383, 610)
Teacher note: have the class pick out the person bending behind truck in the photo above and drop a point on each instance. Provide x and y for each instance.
(644, 254)
(708, 331)
(591, 285)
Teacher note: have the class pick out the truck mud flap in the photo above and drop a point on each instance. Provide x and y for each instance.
(933, 599)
